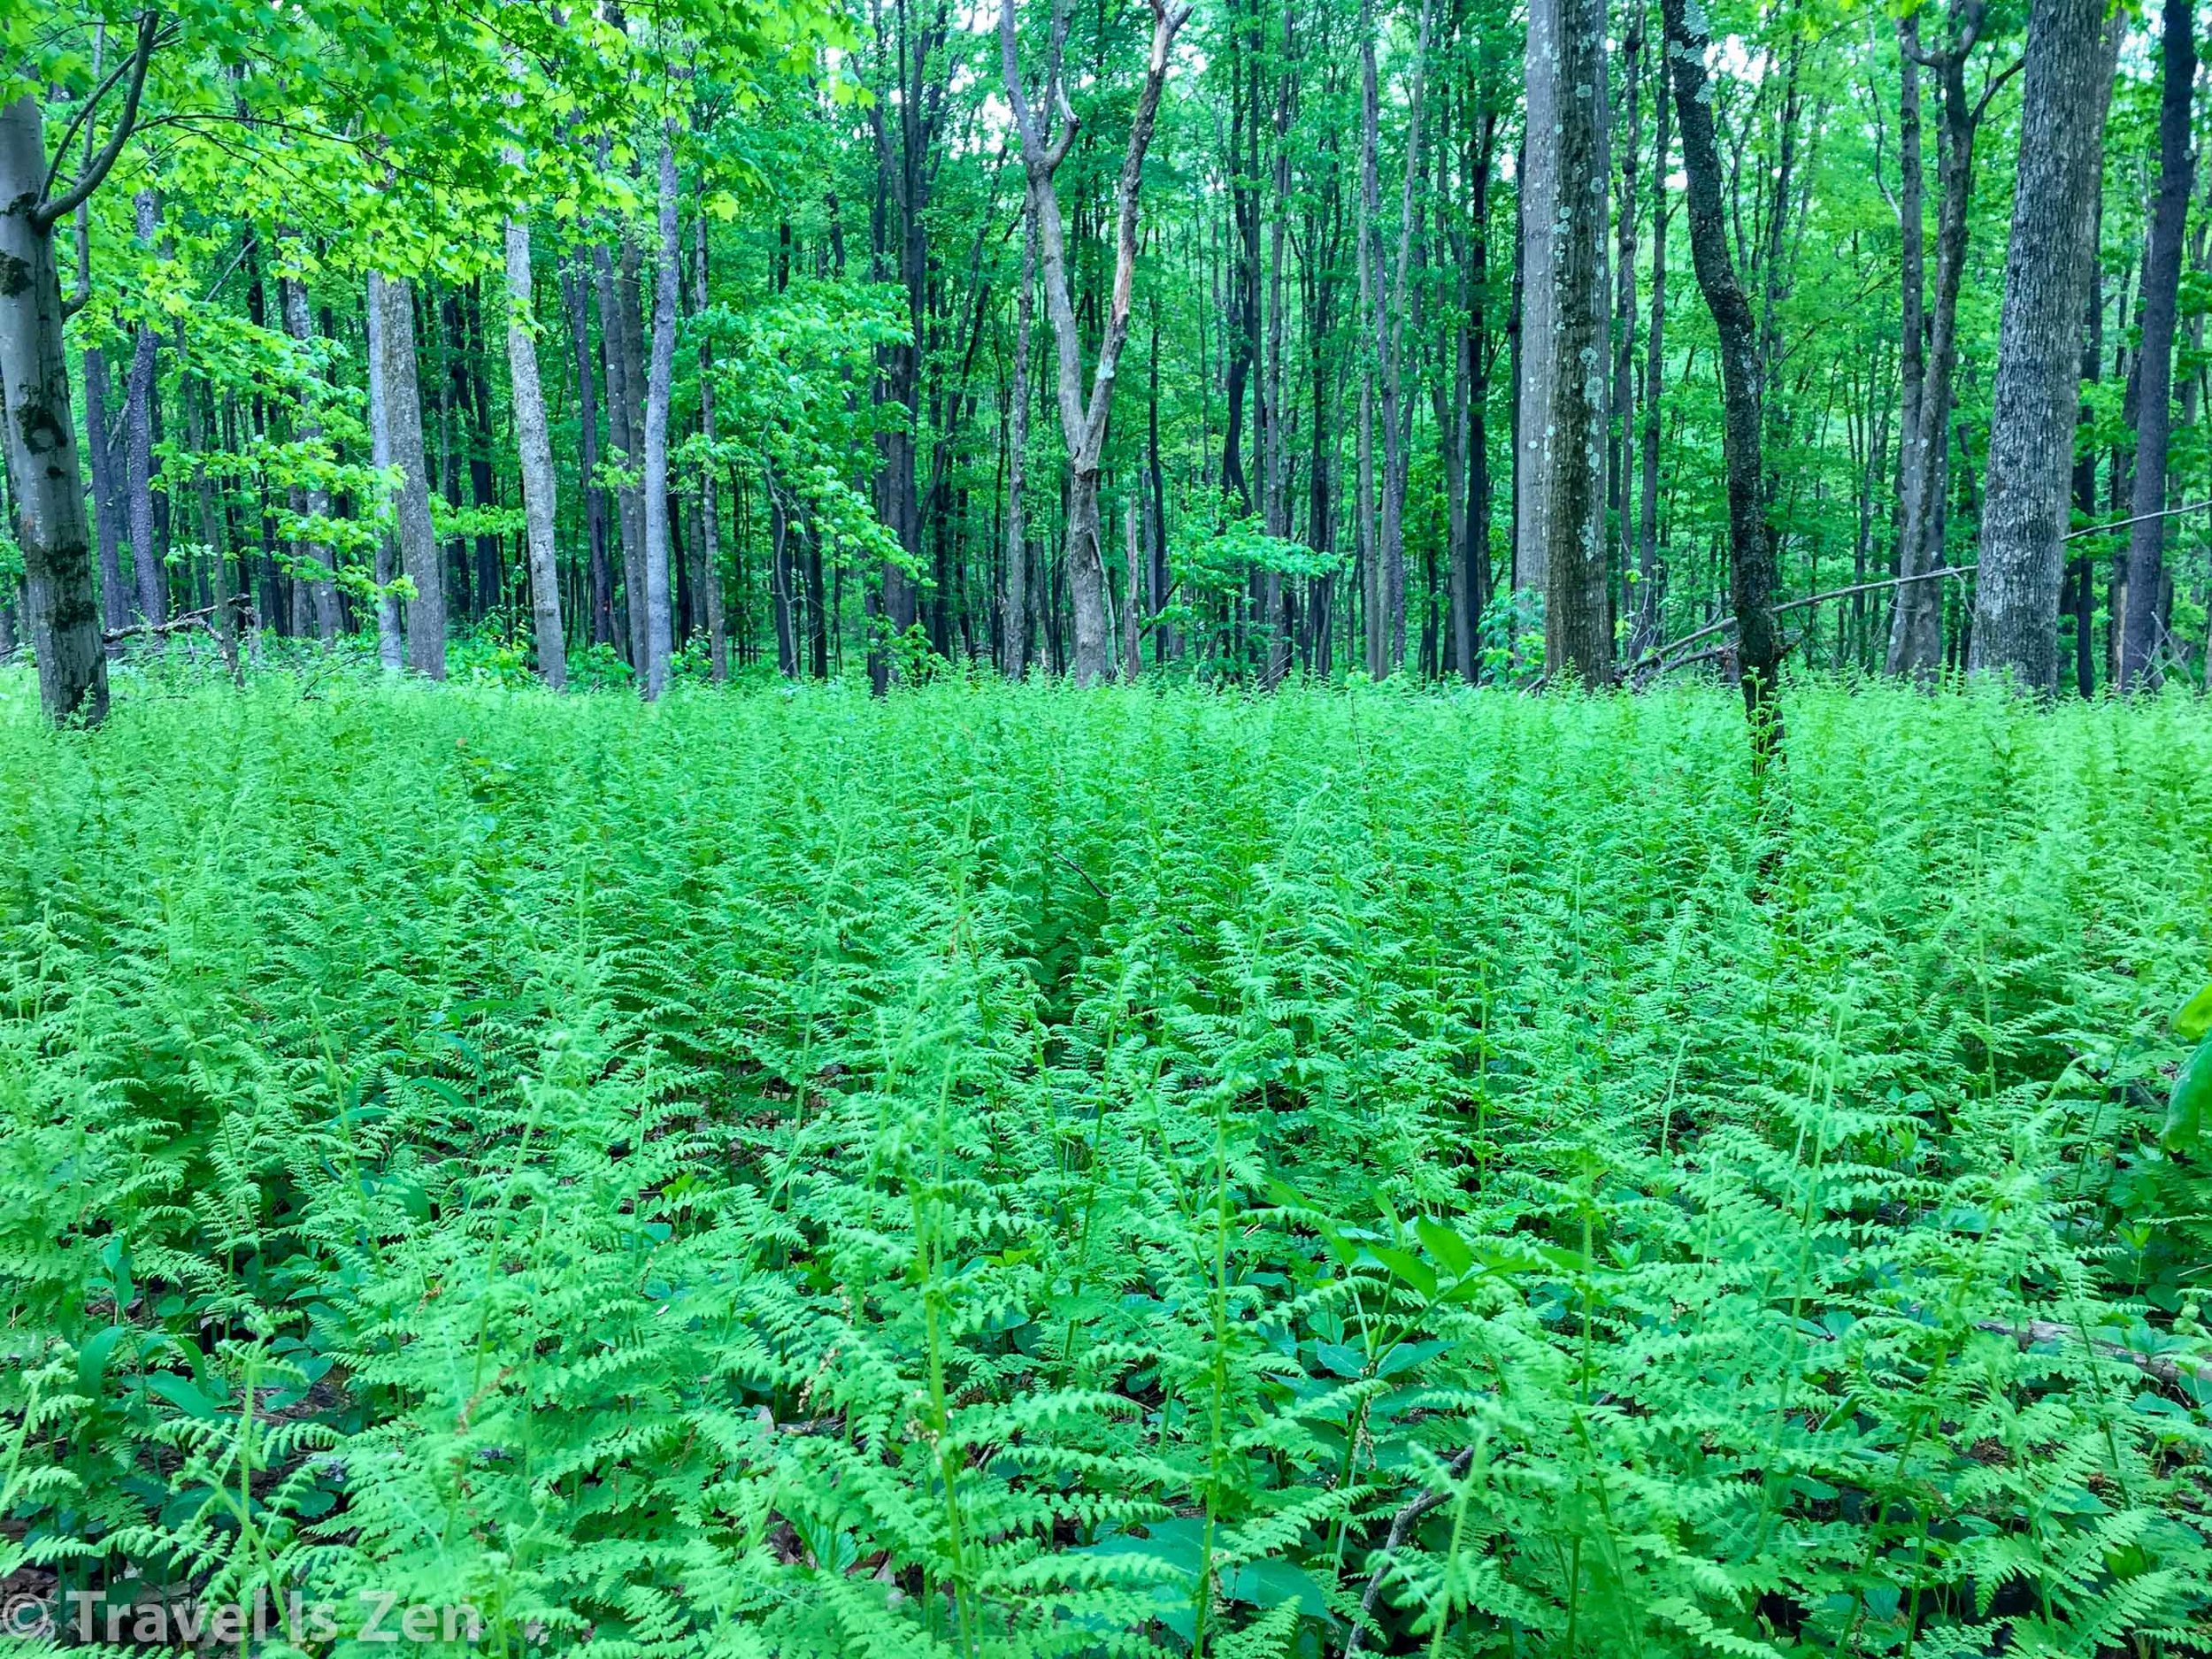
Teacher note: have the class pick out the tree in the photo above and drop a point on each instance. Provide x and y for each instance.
(534, 451)
(2141, 608)
(659, 377)
(1916, 628)
(1750, 538)
(395, 299)
(1083, 419)
(2072, 50)
(1564, 332)
(40, 436)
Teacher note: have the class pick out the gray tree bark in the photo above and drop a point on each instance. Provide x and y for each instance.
(710, 495)
(1563, 419)
(39, 432)
(2154, 355)
(1915, 644)
(2071, 54)
(391, 650)
(659, 633)
(1083, 419)
(103, 460)
(417, 540)
(1014, 606)
(534, 450)
(323, 591)
(138, 420)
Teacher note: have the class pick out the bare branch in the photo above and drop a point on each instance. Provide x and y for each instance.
(49, 212)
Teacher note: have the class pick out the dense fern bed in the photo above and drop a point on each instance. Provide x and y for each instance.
(997, 1172)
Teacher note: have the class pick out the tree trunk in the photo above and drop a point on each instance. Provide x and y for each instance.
(1014, 608)
(709, 493)
(323, 590)
(2141, 625)
(103, 459)
(390, 647)
(658, 629)
(199, 415)
(533, 448)
(618, 329)
(1915, 643)
(39, 434)
(1621, 438)
(2071, 55)
(1563, 420)
(1750, 543)
(417, 540)
(138, 417)
(1649, 580)
(1083, 420)
(573, 280)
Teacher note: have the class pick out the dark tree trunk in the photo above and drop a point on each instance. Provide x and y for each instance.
(576, 295)
(1650, 584)
(2140, 628)
(2037, 394)
(1750, 542)
(104, 461)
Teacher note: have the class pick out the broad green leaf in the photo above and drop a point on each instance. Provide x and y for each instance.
(2195, 1018)
(2192, 1102)
(1450, 1250)
(180, 1392)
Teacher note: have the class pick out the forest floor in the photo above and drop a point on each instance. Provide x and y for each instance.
(1001, 1170)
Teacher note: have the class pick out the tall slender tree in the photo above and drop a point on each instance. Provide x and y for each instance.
(1750, 538)
(2141, 608)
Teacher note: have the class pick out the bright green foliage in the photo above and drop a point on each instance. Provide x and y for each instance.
(999, 1173)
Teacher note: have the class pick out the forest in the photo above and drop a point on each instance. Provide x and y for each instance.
(1257, 829)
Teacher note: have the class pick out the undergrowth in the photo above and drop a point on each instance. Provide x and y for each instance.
(1002, 1172)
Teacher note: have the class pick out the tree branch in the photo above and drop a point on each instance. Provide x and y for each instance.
(50, 212)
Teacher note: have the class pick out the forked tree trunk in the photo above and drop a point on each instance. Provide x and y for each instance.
(1750, 542)
(1083, 420)
(39, 434)
(417, 540)
(2071, 51)
(1915, 645)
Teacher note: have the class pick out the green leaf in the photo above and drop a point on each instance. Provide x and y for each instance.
(1406, 1265)
(92, 1359)
(1341, 1358)
(1270, 1583)
(2195, 1018)
(1446, 1246)
(181, 1393)
(2192, 1101)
